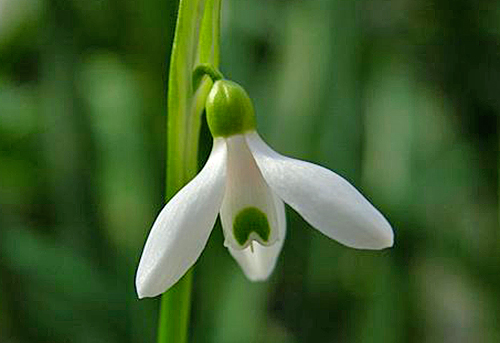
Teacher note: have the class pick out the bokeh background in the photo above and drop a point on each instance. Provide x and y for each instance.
(400, 97)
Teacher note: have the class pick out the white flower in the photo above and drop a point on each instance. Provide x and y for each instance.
(247, 182)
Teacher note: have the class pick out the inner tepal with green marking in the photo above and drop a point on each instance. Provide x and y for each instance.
(250, 223)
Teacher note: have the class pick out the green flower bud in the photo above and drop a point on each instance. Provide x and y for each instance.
(229, 109)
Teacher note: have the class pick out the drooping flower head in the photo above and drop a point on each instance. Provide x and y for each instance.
(247, 183)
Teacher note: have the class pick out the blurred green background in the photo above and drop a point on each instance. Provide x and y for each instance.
(400, 97)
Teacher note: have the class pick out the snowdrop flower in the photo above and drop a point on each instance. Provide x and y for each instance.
(246, 182)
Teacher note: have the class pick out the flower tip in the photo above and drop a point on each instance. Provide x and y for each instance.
(143, 293)
(139, 289)
(387, 238)
(258, 277)
(144, 289)
(389, 242)
(383, 239)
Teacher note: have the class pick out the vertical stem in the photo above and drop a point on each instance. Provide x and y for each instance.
(173, 321)
(175, 310)
(196, 41)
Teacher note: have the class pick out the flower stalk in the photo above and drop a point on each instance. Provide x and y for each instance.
(196, 41)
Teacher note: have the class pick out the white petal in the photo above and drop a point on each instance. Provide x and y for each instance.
(182, 228)
(260, 263)
(325, 200)
(246, 189)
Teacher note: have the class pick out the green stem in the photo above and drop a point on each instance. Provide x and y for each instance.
(205, 70)
(174, 311)
(196, 41)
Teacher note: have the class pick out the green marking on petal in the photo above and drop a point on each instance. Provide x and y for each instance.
(229, 109)
(249, 220)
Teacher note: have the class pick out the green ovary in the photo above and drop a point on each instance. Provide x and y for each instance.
(229, 110)
(249, 220)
